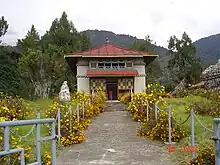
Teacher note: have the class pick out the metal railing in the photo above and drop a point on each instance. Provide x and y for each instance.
(37, 122)
(192, 116)
(216, 138)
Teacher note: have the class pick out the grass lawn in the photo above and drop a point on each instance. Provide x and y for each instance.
(201, 136)
(30, 141)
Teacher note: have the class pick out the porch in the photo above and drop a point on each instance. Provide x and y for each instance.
(113, 86)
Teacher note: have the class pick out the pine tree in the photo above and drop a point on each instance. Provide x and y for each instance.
(3, 27)
(183, 62)
(153, 70)
(31, 41)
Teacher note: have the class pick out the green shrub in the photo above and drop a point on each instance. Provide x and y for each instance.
(213, 95)
(205, 156)
(126, 98)
(158, 130)
(207, 108)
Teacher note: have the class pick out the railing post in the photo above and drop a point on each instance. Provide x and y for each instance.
(192, 132)
(6, 138)
(22, 158)
(147, 112)
(155, 111)
(6, 141)
(53, 143)
(70, 117)
(217, 143)
(58, 121)
(83, 109)
(169, 125)
(38, 150)
(77, 112)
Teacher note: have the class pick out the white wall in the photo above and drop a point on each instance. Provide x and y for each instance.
(82, 81)
(139, 82)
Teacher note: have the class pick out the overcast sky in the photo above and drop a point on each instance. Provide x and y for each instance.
(158, 18)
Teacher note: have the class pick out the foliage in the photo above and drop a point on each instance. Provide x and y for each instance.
(213, 95)
(30, 41)
(9, 81)
(139, 101)
(16, 108)
(156, 130)
(13, 109)
(126, 98)
(205, 157)
(63, 34)
(183, 62)
(3, 26)
(28, 63)
(146, 45)
(93, 106)
(169, 87)
(42, 68)
(153, 69)
(207, 108)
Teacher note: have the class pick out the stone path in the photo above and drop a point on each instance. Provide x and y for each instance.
(111, 140)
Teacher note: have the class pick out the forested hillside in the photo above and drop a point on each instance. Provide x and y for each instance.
(208, 49)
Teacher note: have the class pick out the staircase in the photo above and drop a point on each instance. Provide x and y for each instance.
(114, 106)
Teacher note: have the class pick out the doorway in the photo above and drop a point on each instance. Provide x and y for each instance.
(112, 89)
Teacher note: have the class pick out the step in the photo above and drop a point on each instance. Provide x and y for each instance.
(114, 106)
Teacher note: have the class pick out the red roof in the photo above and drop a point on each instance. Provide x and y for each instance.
(107, 50)
(112, 72)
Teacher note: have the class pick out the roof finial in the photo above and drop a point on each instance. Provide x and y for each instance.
(106, 40)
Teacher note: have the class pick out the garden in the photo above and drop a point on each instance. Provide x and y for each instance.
(16, 108)
(205, 104)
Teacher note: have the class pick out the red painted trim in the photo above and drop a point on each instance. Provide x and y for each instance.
(112, 72)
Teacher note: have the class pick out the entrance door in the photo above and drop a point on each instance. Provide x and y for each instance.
(112, 89)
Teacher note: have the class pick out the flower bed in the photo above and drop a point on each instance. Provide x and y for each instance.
(13, 109)
(17, 109)
(93, 106)
(156, 130)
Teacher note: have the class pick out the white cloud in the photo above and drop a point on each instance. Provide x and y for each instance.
(158, 18)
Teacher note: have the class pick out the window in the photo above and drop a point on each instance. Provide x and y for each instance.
(101, 65)
(111, 65)
(114, 65)
(121, 65)
(93, 64)
(108, 65)
(129, 64)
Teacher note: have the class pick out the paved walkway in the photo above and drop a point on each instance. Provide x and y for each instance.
(111, 140)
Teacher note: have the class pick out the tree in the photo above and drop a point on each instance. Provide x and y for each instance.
(63, 35)
(8, 70)
(183, 61)
(31, 41)
(153, 70)
(8, 67)
(3, 27)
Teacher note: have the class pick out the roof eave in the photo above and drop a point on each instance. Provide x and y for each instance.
(70, 55)
(92, 56)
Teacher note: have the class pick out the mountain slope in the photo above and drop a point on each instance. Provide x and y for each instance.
(208, 49)
(97, 37)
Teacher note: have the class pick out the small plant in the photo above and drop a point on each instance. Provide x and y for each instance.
(205, 157)
(126, 98)
(207, 108)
